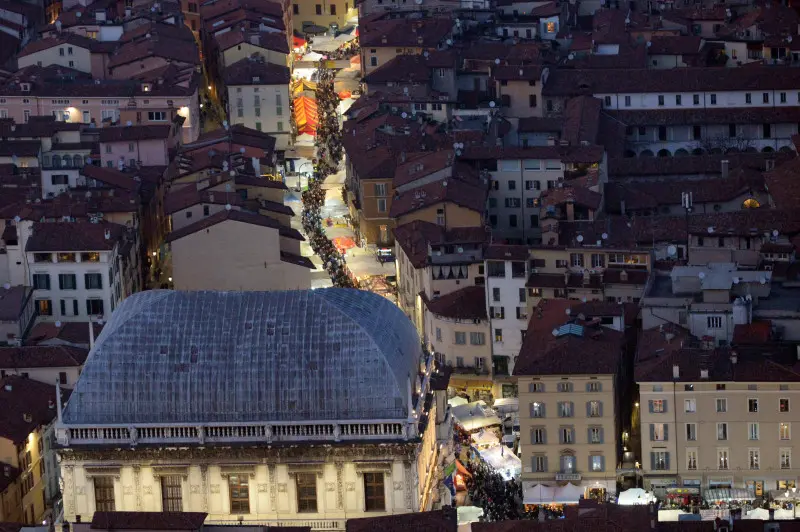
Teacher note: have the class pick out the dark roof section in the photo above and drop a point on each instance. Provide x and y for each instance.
(506, 252)
(250, 71)
(148, 520)
(426, 32)
(12, 301)
(565, 82)
(468, 303)
(236, 216)
(138, 132)
(460, 193)
(71, 332)
(580, 347)
(444, 520)
(74, 236)
(110, 176)
(8, 474)
(24, 405)
(56, 356)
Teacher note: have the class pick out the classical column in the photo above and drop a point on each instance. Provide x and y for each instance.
(409, 484)
(340, 485)
(273, 481)
(137, 486)
(69, 491)
(204, 485)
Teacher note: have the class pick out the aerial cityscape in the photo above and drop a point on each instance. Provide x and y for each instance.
(399, 265)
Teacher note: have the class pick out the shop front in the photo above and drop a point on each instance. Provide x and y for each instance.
(474, 388)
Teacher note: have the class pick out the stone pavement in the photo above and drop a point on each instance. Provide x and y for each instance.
(360, 261)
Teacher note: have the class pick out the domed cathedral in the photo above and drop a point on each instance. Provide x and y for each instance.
(275, 408)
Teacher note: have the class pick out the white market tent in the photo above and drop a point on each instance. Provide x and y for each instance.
(502, 460)
(670, 515)
(758, 513)
(537, 494)
(312, 56)
(485, 438)
(475, 416)
(469, 514)
(569, 494)
(507, 405)
(457, 401)
(635, 496)
(783, 514)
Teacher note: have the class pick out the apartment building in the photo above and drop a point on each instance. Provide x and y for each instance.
(78, 270)
(571, 379)
(28, 468)
(130, 146)
(45, 364)
(69, 50)
(258, 97)
(716, 417)
(323, 13)
(383, 38)
(506, 296)
(71, 96)
(17, 311)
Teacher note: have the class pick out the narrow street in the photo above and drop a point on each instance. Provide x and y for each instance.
(362, 262)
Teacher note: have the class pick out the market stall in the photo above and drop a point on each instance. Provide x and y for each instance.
(484, 439)
(758, 513)
(635, 496)
(475, 416)
(502, 460)
(568, 494)
(537, 494)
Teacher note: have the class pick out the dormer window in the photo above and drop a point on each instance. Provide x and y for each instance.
(256, 79)
(147, 87)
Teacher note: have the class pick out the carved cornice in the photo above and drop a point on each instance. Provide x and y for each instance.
(295, 469)
(103, 471)
(166, 470)
(373, 467)
(237, 469)
(214, 455)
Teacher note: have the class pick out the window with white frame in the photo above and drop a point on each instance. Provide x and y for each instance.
(722, 431)
(537, 387)
(689, 405)
(722, 405)
(691, 459)
(658, 432)
(786, 458)
(540, 463)
(753, 458)
(752, 431)
(657, 406)
(723, 459)
(691, 431)
(595, 435)
(597, 463)
(157, 116)
(595, 409)
(784, 431)
(537, 409)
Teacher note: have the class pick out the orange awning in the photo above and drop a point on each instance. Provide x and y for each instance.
(343, 95)
(305, 115)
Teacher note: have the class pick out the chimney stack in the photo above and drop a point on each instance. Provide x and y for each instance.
(724, 168)
(676, 371)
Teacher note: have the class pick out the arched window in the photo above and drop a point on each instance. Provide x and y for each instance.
(77, 161)
(56, 161)
(67, 161)
(751, 203)
(664, 153)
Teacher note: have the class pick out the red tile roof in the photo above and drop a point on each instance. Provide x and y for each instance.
(426, 32)
(444, 520)
(411, 69)
(56, 356)
(694, 165)
(581, 120)
(567, 154)
(20, 396)
(755, 333)
(468, 303)
(70, 39)
(728, 115)
(71, 332)
(256, 71)
(590, 349)
(415, 237)
(674, 45)
(148, 520)
(506, 252)
(579, 196)
(453, 191)
(535, 124)
(783, 184)
(74, 236)
(175, 50)
(110, 176)
(236, 216)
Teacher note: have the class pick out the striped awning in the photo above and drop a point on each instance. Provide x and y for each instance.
(725, 494)
(305, 115)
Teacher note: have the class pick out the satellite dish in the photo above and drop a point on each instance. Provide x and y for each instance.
(649, 44)
(571, 57)
(7, 286)
(710, 229)
(492, 104)
(555, 332)
(580, 238)
(426, 54)
(604, 236)
(672, 251)
(774, 232)
(227, 206)
(497, 61)
(444, 183)
(78, 14)
(58, 324)
(702, 275)
(736, 280)
(404, 115)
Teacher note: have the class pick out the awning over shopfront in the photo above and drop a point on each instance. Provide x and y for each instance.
(734, 494)
(569, 494)
(538, 494)
(635, 496)
(475, 416)
(305, 115)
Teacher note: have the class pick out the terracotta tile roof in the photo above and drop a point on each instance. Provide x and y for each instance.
(71, 39)
(273, 41)
(468, 196)
(568, 154)
(152, 28)
(694, 165)
(752, 365)
(422, 164)
(38, 126)
(468, 303)
(74, 236)
(581, 120)
(427, 32)
(415, 237)
(580, 349)
(135, 132)
(148, 520)
(12, 301)
(236, 216)
(652, 194)
(401, 69)
(212, 11)
(110, 176)
(783, 184)
(755, 333)
(172, 49)
(444, 520)
(517, 73)
(180, 198)
(238, 135)
(674, 45)
(565, 82)
(506, 252)
(71, 332)
(579, 196)
(57, 356)
(25, 396)
(256, 72)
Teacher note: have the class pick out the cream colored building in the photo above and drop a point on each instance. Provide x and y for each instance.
(280, 444)
(717, 418)
(323, 13)
(569, 374)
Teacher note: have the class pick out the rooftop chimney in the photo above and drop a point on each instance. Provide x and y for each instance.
(676, 371)
(724, 168)
(703, 373)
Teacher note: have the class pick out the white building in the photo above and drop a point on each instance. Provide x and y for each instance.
(258, 97)
(263, 423)
(507, 303)
(77, 269)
